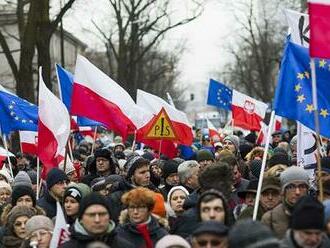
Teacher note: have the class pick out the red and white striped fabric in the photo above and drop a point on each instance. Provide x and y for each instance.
(4, 154)
(319, 21)
(154, 104)
(28, 141)
(213, 133)
(97, 97)
(261, 140)
(53, 127)
(247, 112)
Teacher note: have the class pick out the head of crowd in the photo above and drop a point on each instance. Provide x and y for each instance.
(116, 195)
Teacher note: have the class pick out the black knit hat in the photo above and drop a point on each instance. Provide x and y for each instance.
(308, 213)
(104, 153)
(211, 227)
(251, 188)
(92, 199)
(170, 166)
(133, 163)
(279, 158)
(54, 176)
(20, 191)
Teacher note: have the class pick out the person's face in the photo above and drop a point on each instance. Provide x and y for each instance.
(227, 144)
(95, 219)
(22, 163)
(209, 241)
(25, 200)
(192, 181)
(156, 170)
(308, 238)
(104, 192)
(19, 227)
(236, 175)
(204, 164)
(250, 199)
(43, 237)
(58, 189)
(73, 176)
(119, 149)
(4, 195)
(294, 191)
(270, 198)
(277, 138)
(71, 206)
(177, 199)
(138, 214)
(102, 165)
(173, 179)
(141, 176)
(212, 210)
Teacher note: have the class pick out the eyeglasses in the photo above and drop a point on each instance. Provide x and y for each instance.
(100, 214)
(139, 208)
(293, 187)
(39, 234)
(213, 242)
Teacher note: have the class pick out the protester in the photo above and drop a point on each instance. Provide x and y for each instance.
(5, 193)
(70, 170)
(294, 184)
(94, 224)
(172, 241)
(174, 205)
(170, 176)
(188, 172)
(306, 225)
(140, 227)
(205, 158)
(276, 138)
(210, 234)
(248, 196)
(56, 184)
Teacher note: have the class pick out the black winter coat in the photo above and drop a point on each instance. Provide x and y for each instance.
(48, 203)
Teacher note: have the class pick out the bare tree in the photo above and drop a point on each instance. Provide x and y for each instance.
(137, 28)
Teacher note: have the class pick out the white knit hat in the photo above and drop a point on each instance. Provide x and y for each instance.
(68, 168)
(39, 222)
(172, 240)
(293, 173)
(5, 185)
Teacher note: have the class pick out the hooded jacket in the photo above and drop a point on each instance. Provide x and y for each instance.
(289, 242)
(80, 237)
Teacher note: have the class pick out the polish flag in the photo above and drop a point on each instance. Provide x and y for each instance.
(213, 133)
(97, 97)
(53, 127)
(28, 141)
(261, 140)
(4, 154)
(154, 104)
(61, 232)
(247, 112)
(319, 21)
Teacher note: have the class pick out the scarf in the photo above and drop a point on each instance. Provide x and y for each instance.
(143, 230)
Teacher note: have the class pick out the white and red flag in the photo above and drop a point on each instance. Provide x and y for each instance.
(53, 127)
(247, 112)
(97, 97)
(28, 141)
(319, 21)
(213, 132)
(261, 140)
(61, 232)
(4, 154)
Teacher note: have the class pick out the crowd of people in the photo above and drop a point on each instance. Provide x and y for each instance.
(117, 196)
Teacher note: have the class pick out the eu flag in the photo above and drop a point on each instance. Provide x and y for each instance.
(219, 95)
(16, 113)
(293, 96)
(65, 79)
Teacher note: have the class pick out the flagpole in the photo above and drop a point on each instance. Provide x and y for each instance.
(70, 148)
(317, 126)
(8, 157)
(94, 138)
(38, 177)
(263, 166)
(134, 141)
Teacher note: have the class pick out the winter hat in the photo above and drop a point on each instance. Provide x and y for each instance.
(5, 185)
(174, 189)
(6, 175)
(104, 153)
(204, 155)
(211, 227)
(22, 179)
(39, 222)
(292, 174)
(119, 144)
(19, 211)
(172, 241)
(69, 168)
(251, 234)
(92, 199)
(277, 132)
(244, 150)
(148, 155)
(308, 213)
(271, 182)
(251, 137)
(255, 167)
(170, 167)
(22, 190)
(325, 164)
(233, 139)
(33, 176)
(98, 184)
(279, 158)
(54, 176)
(77, 191)
(133, 163)
(251, 188)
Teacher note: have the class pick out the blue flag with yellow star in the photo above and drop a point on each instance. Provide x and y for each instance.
(293, 96)
(219, 95)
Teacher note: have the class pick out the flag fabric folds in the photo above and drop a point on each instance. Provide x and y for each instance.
(293, 96)
(61, 232)
(247, 112)
(112, 105)
(28, 141)
(319, 11)
(16, 113)
(53, 127)
(219, 95)
(65, 81)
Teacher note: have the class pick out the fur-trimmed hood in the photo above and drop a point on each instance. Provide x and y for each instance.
(8, 208)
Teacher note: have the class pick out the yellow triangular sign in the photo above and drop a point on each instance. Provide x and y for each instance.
(161, 127)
